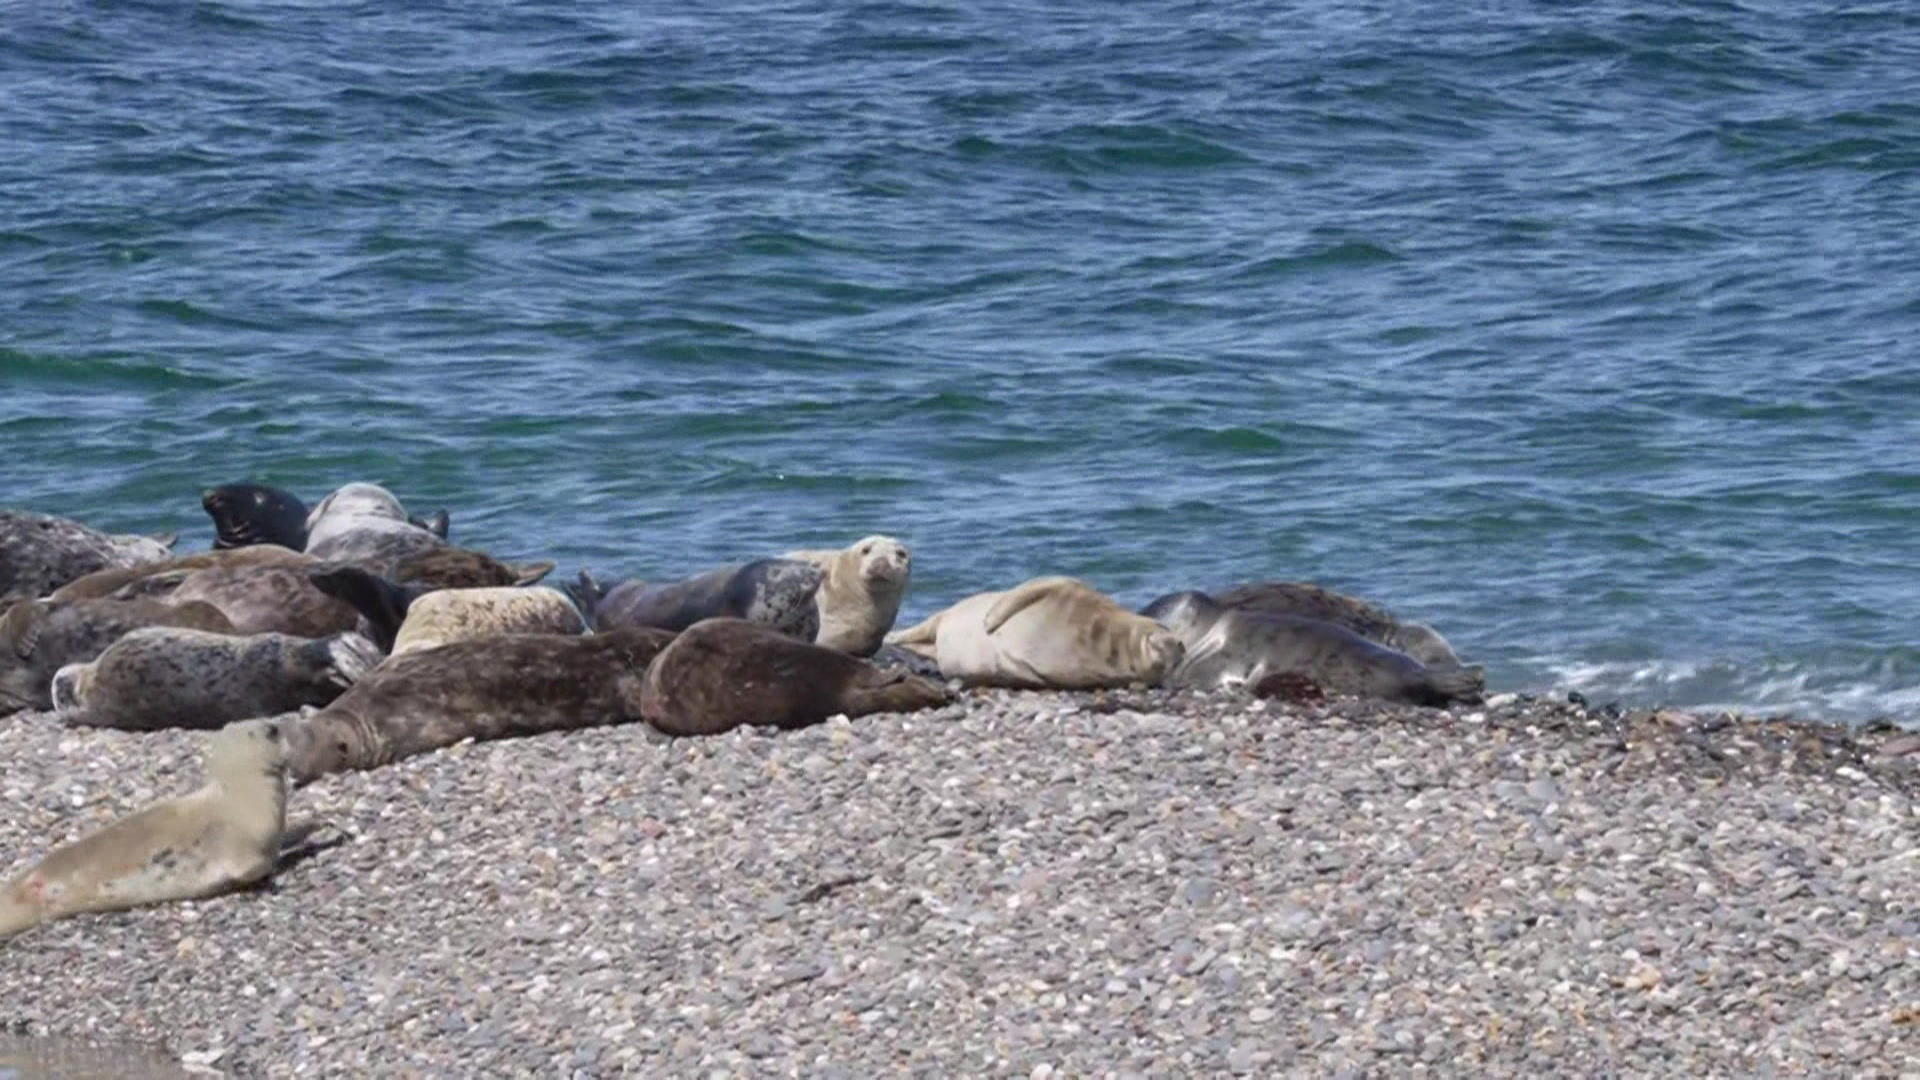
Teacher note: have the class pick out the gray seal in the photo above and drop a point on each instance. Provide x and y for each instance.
(248, 514)
(365, 524)
(1236, 647)
(1369, 620)
(39, 637)
(164, 677)
(39, 553)
(773, 592)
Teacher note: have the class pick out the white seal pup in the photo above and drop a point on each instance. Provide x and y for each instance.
(1228, 647)
(164, 677)
(39, 553)
(1049, 633)
(449, 615)
(860, 597)
(223, 836)
(366, 525)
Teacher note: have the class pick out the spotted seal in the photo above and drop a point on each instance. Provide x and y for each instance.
(1370, 621)
(1234, 647)
(39, 553)
(161, 578)
(774, 592)
(366, 525)
(39, 637)
(860, 597)
(162, 677)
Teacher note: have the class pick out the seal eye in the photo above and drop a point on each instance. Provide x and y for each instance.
(273, 731)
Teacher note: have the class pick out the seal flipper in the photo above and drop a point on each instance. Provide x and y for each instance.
(153, 586)
(886, 690)
(349, 657)
(437, 524)
(586, 594)
(1023, 597)
(381, 602)
(530, 573)
(23, 624)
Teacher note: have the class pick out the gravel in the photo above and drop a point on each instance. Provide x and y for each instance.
(1120, 884)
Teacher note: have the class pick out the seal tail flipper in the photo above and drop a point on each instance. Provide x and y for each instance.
(380, 602)
(1463, 684)
(350, 656)
(1024, 596)
(919, 639)
(529, 573)
(586, 594)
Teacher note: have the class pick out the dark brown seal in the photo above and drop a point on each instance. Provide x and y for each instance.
(487, 688)
(39, 637)
(721, 673)
(464, 568)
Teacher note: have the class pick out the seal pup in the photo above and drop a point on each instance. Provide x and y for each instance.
(1229, 647)
(1370, 621)
(163, 677)
(722, 673)
(248, 514)
(445, 616)
(365, 524)
(223, 836)
(39, 553)
(1048, 633)
(774, 592)
(38, 638)
(163, 577)
(486, 688)
(860, 597)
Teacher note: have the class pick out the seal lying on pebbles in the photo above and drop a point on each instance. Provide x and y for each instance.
(225, 835)
(257, 599)
(487, 688)
(39, 637)
(722, 673)
(464, 568)
(365, 524)
(1049, 633)
(39, 553)
(1370, 621)
(163, 577)
(1233, 647)
(861, 595)
(386, 606)
(247, 514)
(164, 677)
(773, 592)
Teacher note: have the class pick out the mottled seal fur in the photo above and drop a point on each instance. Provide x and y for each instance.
(266, 600)
(1051, 632)
(365, 524)
(462, 568)
(860, 597)
(164, 677)
(161, 578)
(445, 616)
(721, 673)
(487, 688)
(773, 592)
(1370, 621)
(247, 514)
(39, 637)
(223, 836)
(1234, 647)
(39, 553)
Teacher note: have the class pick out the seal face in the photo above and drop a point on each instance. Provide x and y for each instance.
(486, 688)
(39, 637)
(39, 553)
(1228, 647)
(861, 595)
(164, 677)
(445, 616)
(247, 514)
(1370, 621)
(722, 673)
(774, 592)
(222, 836)
(1048, 633)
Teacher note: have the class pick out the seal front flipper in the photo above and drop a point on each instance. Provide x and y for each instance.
(23, 625)
(348, 657)
(380, 602)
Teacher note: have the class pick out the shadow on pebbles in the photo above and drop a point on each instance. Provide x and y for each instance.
(1033, 885)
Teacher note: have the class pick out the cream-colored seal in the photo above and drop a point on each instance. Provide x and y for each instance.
(448, 615)
(225, 835)
(1051, 632)
(861, 595)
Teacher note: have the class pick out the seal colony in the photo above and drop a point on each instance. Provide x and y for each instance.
(354, 634)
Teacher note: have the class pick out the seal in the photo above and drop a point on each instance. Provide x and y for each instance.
(445, 616)
(224, 836)
(384, 605)
(1370, 621)
(1228, 647)
(39, 637)
(1048, 633)
(722, 673)
(774, 592)
(163, 677)
(163, 577)
(263, 600)
(860, 597)
(39, 553)
(487, 688)
(366, 525)
(463, 568)
(248, 514)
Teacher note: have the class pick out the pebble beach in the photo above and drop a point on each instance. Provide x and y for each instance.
(1128, 883)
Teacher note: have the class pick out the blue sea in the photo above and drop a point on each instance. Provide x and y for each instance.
(1584, 331)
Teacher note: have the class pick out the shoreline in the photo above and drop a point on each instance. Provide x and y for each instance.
(1124, 881)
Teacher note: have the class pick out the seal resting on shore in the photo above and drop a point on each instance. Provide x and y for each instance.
(773, 592)
(1049, 633)
(39, 553)
(1370, 621)
(365, 524)
(449, 615)
(258, 599)
(487, 688)
(1229, 647)
(39, 637)
(161, 578)
(164, 677)
(860, 597)
(451, 567)
(223, 836)
(721, 673)
(248, 514)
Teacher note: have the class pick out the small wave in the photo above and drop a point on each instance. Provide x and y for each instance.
(1847, 685)
(24, 369)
